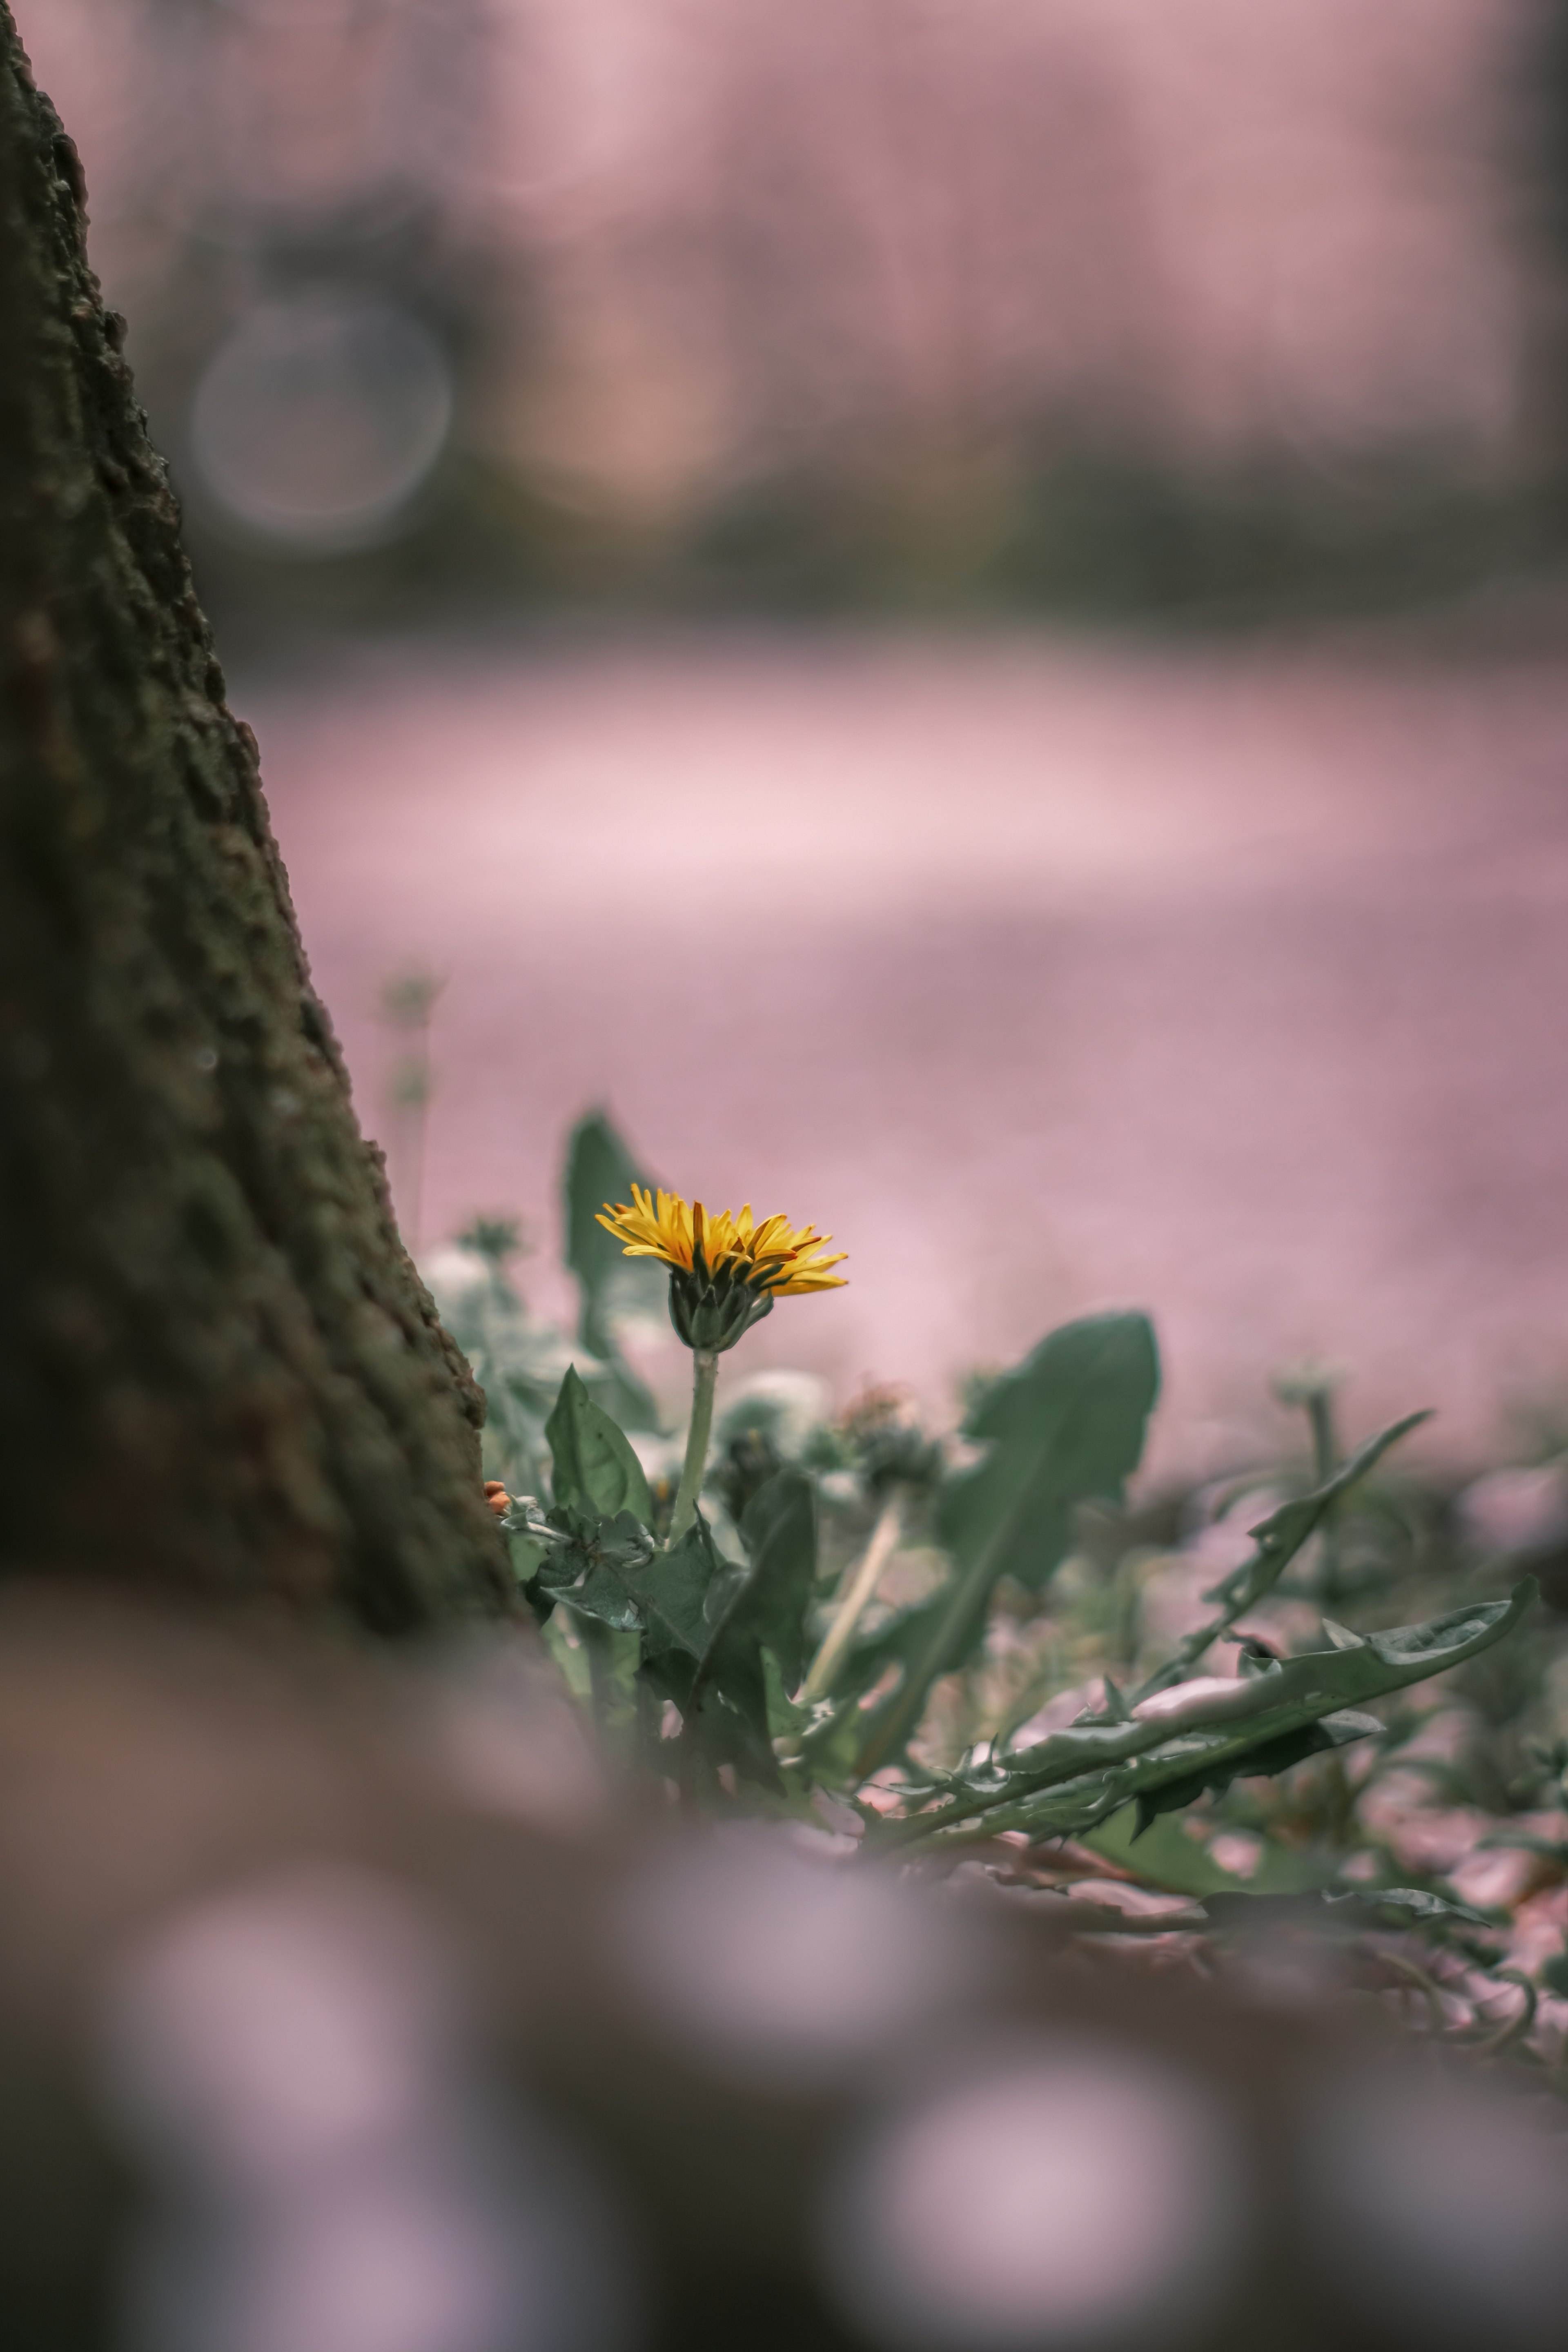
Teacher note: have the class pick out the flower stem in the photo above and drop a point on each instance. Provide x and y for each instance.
(859, 1592)
(704, 1373)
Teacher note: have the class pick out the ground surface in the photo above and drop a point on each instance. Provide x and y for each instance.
(1230, 983)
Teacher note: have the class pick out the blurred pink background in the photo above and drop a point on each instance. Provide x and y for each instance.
(1047, 976)
(1047, 964)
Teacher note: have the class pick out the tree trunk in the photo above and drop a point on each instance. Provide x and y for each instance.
(219, 1369)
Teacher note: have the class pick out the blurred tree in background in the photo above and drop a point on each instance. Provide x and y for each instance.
(865, 305)
(1543, 213)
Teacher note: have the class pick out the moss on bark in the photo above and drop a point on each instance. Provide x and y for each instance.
(219, 1369)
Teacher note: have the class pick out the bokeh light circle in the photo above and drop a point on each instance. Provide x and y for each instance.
(320, 416)
(779, 1968)
(1443, 2208)
(1044, 2195)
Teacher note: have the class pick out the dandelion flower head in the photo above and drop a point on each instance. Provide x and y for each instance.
(725, 1268)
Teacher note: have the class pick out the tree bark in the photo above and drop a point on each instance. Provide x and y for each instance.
(219, 1369)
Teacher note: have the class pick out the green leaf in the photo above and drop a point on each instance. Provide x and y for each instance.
(786, 1718)
(1166, 1857)
(600, 1593)
(729, 1726)
(1254, 1906)
(724, 1703)
(1280, 1537)
(571, 1657)
(778, 1528)
(600, 1169)
(595, 1469)
(1409, 1902)
(1067, 1426)
(672, 1588)
(1075, 1778)
(744, 1614)
(1270, 1757)
(613, 1652)
(764, 1604)
(591, 1569)
(527, 1557)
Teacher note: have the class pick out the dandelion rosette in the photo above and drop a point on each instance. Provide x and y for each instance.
(725, 1270)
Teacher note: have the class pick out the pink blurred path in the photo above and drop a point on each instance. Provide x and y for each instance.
(1235, 985)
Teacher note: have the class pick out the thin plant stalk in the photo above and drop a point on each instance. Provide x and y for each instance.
(704, 1375)
(408, 1006)
(967, 1597)
(858, 1593)
(498, 1388)
(1325, 1440)
(1320, 1404)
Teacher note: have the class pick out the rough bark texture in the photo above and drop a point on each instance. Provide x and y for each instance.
(217, 1367)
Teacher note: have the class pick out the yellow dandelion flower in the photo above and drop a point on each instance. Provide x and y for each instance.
(725, 1270)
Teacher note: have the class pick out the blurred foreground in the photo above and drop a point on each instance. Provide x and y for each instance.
(342, 2010)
